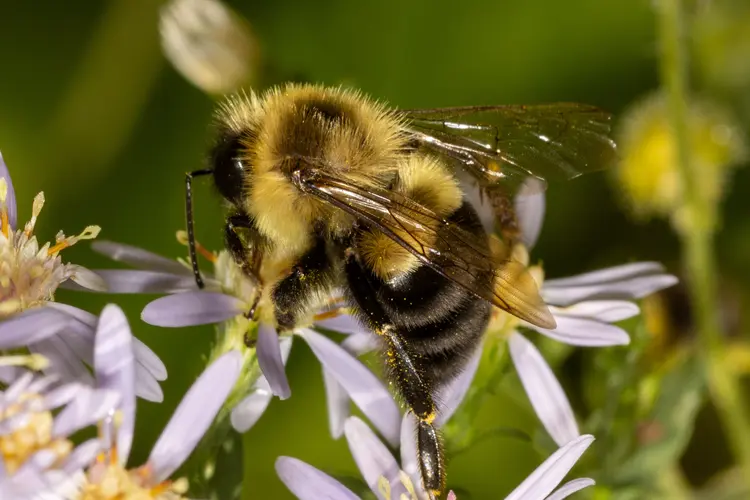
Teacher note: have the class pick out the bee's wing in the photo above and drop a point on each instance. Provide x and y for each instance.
(503, 145)
(451, 251)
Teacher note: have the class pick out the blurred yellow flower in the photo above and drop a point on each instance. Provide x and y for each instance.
(648, 170)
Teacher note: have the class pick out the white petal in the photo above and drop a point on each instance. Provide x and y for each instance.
(337, 402)
(138, 258)
(609, 274)
(114, 367)
(343, 323)
(64, 363)
(608, 311)
(89, 406)
(529, 205)
(61, 395)
(361, 343)
(192, 308)
(544, 391)
(10, 199)
(84, 317)
(82, 456)
(570, 487)
(88, 279)
(372, 457)
(32, 326)
(631, 281)
(247, 413)
(449, 398)
(547, 476)
(365, 389)
(409, 463)
(138, 281)
(194, 415)
(585, 332)
(149, 360)
(308, 483)
(146, 386)
(268, 351)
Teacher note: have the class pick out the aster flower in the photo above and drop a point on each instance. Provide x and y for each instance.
(225, 300)
(35, 452)
(390, 480)
(584, 308)
(107, 477)
(29, 276)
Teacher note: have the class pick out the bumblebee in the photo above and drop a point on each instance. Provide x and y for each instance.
(365, 198)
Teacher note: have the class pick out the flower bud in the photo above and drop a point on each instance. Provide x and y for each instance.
(648, 169)
(209, 44)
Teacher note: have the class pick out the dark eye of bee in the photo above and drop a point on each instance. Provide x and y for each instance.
(228, 169)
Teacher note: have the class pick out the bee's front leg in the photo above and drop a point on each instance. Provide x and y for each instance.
(311, 274)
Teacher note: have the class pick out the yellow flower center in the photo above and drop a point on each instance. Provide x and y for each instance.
(30, 274)
(33, 435)
(108, 480)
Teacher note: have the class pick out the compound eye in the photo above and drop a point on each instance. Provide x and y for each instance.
(229, 169)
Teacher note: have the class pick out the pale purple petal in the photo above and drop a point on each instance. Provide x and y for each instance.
(247, 413)
(409, 463)
(547, 476)
(194, 415)
(64, 361)
(139, 258)
(544, 391)
(89, 406)
(449, 398)
(608, 311)
(137, 281)
(371, 455)
(192, 308)
(344, 323)
(60, 396)
(630, 281)
(571, 487)
(609, 274)
(114, 367)
(84, 317)
(270, 362)
(10, 373)
(146, 386)
(10, 199)
(585, 332)
(32, 326)
(18, 387)
(149, 361)
(529, 205)
(87, 279)
(361, 343)
(365, 389)
(308, 483)
(337, 403)
(82, 456)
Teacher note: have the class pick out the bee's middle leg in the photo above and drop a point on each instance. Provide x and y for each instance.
(311, 274)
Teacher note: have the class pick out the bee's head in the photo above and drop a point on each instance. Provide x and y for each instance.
(229, 169)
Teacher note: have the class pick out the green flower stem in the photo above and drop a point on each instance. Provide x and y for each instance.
(697, 239)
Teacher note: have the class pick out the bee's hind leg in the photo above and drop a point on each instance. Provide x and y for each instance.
(404, 368)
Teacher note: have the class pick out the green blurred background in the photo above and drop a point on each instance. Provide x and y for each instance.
(95, 116)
